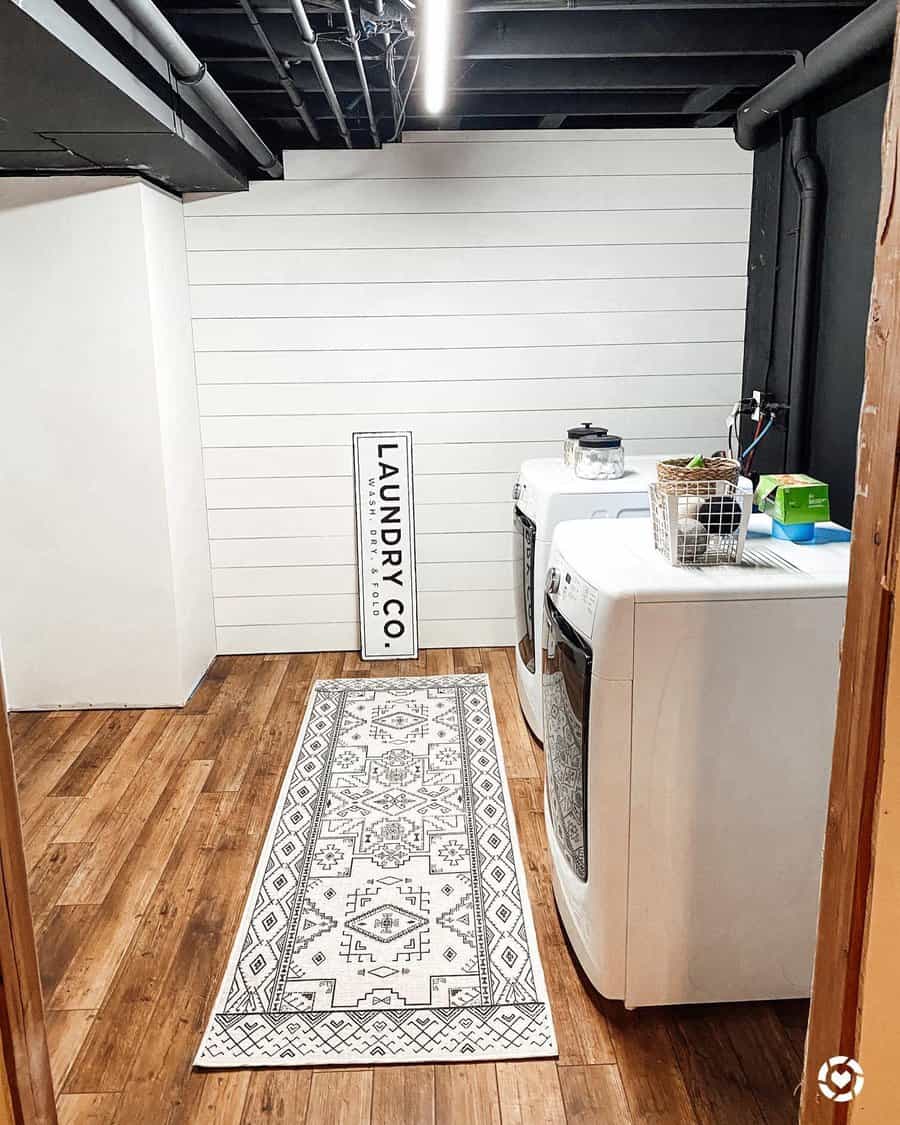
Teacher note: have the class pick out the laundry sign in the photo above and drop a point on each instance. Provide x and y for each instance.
(386, 545)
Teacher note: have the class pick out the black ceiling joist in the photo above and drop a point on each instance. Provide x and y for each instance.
(566, 103)
(623, 34)
(733, 30)
(749, 71)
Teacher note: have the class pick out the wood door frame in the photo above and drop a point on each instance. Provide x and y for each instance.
(23, 1036)
(866, 679)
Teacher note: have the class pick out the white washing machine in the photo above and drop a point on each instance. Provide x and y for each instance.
(546, 493)
(689, 719)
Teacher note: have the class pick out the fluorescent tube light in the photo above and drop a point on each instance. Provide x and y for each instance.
(436, 53)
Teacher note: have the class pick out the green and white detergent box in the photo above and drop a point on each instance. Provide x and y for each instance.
(793, 498)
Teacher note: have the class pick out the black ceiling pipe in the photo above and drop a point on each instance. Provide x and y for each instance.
(315, 57)
(808, 175)
(284, 78)
(872, 29)
(361, 71)
(189, 70)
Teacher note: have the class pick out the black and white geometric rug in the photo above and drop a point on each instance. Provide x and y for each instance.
(388, 920)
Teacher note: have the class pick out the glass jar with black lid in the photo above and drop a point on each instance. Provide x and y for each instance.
(600, 457)
(574, 435)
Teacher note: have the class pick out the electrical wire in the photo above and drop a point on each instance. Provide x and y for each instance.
(742, 408)
(756, 433)
(753, 444)
(404, 99)
(401, 118)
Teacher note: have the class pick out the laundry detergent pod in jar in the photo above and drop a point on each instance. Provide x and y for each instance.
(574, 435)
(600, 457)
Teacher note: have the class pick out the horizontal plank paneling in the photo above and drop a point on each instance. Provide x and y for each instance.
(280, 492)
(292, 492)
(243, 523)
(545, 425)
(259, 334)
(467, 264)
(609, 154)
(256, 581)
(312, 609)
(483, 292)
(258, 523)
(495, 228)
(455, 299)
(314, 550)
(337, 637)
(429, 365)
(337, 550)
(528, 193)
(486, 457)
(271, 581)
(260, 400)
(329, 637)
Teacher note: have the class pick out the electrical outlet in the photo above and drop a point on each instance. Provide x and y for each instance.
(759, 398)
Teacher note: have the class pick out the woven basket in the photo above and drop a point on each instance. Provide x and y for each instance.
(674, 473)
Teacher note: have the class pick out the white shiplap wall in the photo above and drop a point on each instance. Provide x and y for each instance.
(483, 290)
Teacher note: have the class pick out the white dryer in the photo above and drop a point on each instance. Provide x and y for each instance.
(546, 493)
(689, 717)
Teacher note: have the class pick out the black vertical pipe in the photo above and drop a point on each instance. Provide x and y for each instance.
(808, 176)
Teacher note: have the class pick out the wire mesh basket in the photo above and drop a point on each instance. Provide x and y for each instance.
(700, 522)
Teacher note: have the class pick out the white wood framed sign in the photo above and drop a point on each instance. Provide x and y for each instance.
(386, 545)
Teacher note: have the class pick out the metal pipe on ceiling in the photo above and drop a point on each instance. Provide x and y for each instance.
(871, 29)
(361, 71)
(189, 70)
(390, 68)
(315, 57)
(284, 78)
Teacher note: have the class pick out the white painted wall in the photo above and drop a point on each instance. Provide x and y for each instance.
(484, 290)
(182, 457)
(104, 569)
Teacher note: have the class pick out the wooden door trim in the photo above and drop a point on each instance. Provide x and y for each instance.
(859, 730)
(26, 1057)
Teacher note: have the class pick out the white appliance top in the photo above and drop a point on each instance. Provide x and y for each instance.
(620, 559)
(548, 491)
(606, 567)
(552, 474)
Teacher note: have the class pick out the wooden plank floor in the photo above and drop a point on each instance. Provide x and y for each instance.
(143, 830)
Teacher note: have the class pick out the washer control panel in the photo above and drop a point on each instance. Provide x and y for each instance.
(523, 498)
(580, 591)
(575, 598)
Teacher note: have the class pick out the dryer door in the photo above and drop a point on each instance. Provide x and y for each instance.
(566, 691)
(524, 534)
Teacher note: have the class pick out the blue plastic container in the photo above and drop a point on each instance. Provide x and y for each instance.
(795, 532)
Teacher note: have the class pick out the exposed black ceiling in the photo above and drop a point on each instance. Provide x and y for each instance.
(80, 91)
(69, 105)
(519, 63)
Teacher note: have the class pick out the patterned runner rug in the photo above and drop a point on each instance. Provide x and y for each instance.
(388, 919)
